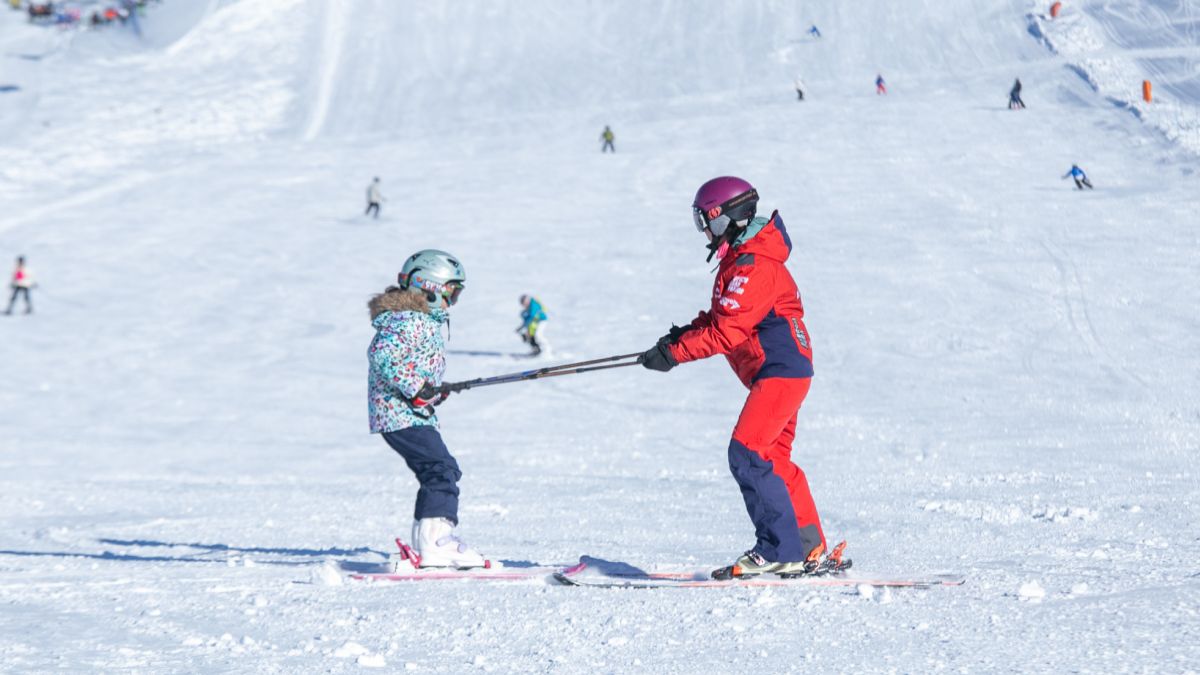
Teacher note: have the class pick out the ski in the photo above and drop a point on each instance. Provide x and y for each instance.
(581, 575)
(479, 574)
(406, 566)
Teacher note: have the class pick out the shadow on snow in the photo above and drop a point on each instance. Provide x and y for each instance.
(202, 555)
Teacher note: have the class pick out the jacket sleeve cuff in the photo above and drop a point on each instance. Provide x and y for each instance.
(677, 353)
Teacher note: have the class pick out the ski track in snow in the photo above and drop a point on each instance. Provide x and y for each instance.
(1006, 367)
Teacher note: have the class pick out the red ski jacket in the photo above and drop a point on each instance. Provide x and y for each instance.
(756, 319)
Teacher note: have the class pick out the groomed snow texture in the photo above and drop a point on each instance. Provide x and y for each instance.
(1007, 369)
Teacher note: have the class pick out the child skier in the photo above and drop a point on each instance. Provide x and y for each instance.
(756, 320)
(22, 282)
(880, 86)
(1080, 177)
(532, 315)
(407, 359)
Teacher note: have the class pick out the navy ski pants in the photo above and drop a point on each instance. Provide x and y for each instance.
(436, 470)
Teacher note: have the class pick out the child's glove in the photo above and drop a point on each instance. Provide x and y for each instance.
(427, 399)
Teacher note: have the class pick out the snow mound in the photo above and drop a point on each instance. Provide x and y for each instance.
(327, 574)
(1031, 591)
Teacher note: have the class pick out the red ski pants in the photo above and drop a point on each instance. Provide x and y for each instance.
(775, 490)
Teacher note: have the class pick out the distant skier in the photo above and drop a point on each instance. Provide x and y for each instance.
(880, 85)
(1014, 97)
(799, 89)
(407, 359)
(1080, 177)
(814, 32)
(607, 136)
(756, 320)
(374, 198)
(22, 282)
(532, 316)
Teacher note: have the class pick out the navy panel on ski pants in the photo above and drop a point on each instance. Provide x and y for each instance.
(436, 470)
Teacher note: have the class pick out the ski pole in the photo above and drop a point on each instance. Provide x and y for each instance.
(548, 371)
(42, 292)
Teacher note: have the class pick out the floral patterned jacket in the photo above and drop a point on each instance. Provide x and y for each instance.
(407, 352)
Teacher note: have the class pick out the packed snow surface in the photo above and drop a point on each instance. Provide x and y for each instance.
(1008, 379)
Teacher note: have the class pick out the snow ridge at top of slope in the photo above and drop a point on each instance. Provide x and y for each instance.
(236, 69)
(380, 66)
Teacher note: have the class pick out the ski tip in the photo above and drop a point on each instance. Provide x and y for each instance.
(573, 569)
(567, 576)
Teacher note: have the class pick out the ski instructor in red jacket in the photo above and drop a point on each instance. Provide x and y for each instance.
(757, 321)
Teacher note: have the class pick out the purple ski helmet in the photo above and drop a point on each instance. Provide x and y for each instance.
(721, 202)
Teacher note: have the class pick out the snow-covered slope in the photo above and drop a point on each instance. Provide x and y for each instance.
(1117, 44)
(1006, 368)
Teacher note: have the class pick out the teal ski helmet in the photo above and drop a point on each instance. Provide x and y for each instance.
(438, 274)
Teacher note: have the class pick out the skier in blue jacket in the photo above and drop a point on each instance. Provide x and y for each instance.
(532, 316)
(1080, 177)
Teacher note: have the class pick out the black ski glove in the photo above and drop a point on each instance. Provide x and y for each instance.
(429, 398)
(658, 358)
(674, 334)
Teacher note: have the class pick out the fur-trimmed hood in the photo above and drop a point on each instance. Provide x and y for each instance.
(397, 300)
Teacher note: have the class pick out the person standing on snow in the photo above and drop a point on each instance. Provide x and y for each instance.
(22, 282)
(532, 315)
(407, 359)
(880, 86)
(1080, 177)
(1014, 96)
(814, 32)
(799, 89)
(756, 320)
(607, 136)
(374, 198)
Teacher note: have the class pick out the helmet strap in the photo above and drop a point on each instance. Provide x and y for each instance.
(729, 236)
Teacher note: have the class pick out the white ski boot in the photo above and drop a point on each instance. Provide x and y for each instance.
(438, 546)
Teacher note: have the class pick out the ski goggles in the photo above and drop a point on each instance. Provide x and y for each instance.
(451, 290)
(719, 218)
(713, 220)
